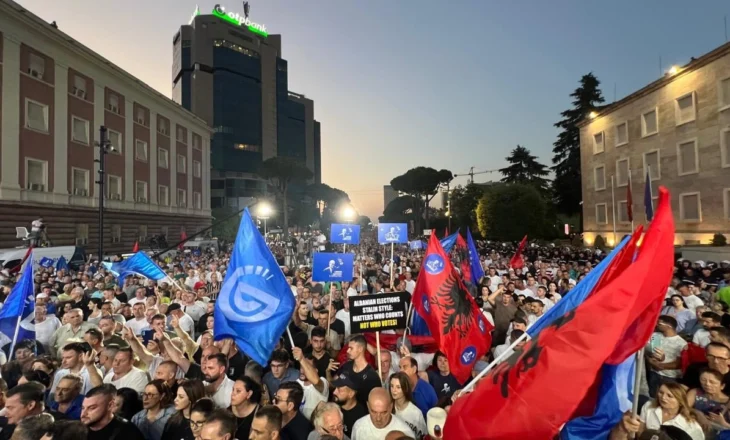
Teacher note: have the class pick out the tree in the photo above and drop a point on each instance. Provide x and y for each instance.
(281, 172)
(509, 211)
(524, 168)
(402, 209)
(422, 183)
(566, 159)
(328, 200)
(227, 229)
(463, 202)
(364, 222)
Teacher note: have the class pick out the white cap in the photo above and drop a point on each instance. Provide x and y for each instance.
(700, 263)
(436, 417)
(42, 295)
(725, 262)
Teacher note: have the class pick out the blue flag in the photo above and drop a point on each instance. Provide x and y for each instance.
(255, 303)
(648, 206)
(46, 262)
(477, 273)
(448, 242)
(138, 264)
(577, 295)
(16, 316)
(332, 267)
(615, 397)
(62, 264)
(417, 244)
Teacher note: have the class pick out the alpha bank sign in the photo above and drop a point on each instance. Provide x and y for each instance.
(240, 20)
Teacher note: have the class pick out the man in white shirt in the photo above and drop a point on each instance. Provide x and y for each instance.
(186, 322)
(72, 362)
(216, 380)
(139, 323)
(380, 421)
(663, 354)
(410, 284)
(45, 326)
(344, 315)
(124, 374)
(139, 297)
(709, 320)
(693, 301)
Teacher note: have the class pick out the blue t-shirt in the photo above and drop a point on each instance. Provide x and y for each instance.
(74, 410)
(424, 396)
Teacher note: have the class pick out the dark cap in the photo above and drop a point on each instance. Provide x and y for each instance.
(172, 307)
(344, 381)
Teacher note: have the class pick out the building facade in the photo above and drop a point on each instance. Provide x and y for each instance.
(55, 94)
(676, 131)
(233, 76)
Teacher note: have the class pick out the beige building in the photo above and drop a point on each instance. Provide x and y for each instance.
(677, 129)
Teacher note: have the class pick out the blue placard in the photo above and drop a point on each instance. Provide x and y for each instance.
(392, 233)
(332, 267)
(46, 262)
(345, 234)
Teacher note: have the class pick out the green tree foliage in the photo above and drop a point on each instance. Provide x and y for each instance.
(509, 211)
(524, 168)
(463, 202)
(719, 240)
(423, 183)
(566, 149)
(402, 209)
(328, 200)
(281, 172)
(225, 229)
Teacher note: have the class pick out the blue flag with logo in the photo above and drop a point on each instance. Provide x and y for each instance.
(62, 264)
(18, 312)
(138, 264)
(477, 272)
(448, 242)
(392, 233)
(332, 267)
(255, 302)
(46, 262)
(343, 233)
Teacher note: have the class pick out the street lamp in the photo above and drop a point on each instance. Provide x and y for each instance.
(105, 146)
(348, 213)
(264, 212)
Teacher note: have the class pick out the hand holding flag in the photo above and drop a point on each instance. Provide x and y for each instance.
(517, 261)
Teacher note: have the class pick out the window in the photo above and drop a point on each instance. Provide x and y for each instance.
(598, 143)
(690, 209)
(82, 234)
(197, 169)
(115, 138)
(622, 214)
(182, 200)
(726, 198)
(684, 108)
(79, 88)
(246, 147)
(140, 150)
(36, 174)
(652, 165)
(687, 158)
(116, 233)
(140, 191)
(182, 164)
(649, 123)
(141, 119)
(622, 172)
(163, 196)
(80, 182)
(163, 158)
(142, 233)
(162, 126)
(113, 103)
(601, 215)
(622, 134)
(725, 147)
(599, 177)
(181, 135)
(724, 91)
(36, 116)
(196, 142)
(80, 130)
(197, 201)
(36, 66)
(115, 187)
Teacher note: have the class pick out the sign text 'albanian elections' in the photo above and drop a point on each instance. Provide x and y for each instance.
(384, 311)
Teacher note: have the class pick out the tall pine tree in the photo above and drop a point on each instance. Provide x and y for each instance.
(566, 159)
(524, 168)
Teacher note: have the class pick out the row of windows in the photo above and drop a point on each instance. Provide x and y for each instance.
(688, 162)
(37, 180)
(82, 233)
(237, 47)
(685, 111)
(690, 208)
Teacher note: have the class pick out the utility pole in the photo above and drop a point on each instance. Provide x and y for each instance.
(104, 147)
(471, 175)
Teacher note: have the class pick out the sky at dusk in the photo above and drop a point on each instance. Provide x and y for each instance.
(403, 83)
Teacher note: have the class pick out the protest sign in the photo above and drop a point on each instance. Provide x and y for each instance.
(383, 311)
(345, 234)
(332, 267)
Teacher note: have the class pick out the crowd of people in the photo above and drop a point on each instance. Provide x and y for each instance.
(138, 360)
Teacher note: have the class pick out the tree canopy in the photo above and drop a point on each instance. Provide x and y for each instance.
(509, 211)
(422, 183)
(524, 168)
(463, 201)
(281, 172)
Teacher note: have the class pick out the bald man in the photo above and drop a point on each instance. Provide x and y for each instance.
(380, 421)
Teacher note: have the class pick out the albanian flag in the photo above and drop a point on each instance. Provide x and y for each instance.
(135, 248)
(517, 262)
(456, 323)
(606, 328)
(462, 251)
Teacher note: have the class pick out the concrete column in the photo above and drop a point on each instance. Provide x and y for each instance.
(154, 190)
(129, 186)
(10, 146)
(190, 169)
(60, 140)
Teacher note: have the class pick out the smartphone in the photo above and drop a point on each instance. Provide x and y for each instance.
(147, 336)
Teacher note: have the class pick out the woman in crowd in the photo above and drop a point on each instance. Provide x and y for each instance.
(440, 377)
(670, 408)
(708, 402)
(679, 311)
(402, 394)
(127, 403)
(199, 414)
(157, 410)
(178, 426)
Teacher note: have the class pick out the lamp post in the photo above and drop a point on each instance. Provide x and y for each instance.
(264, 212)
(105, 147)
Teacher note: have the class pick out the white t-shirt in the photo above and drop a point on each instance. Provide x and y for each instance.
(222, 396)
(187, 324)
(136, 300)
(365, 430)
(410, 286)
(693, 301)
(672, 348)
(85, 380)
(500, 349)
(138, 325)
(312, 397)
(413, 417)
(344, 316)
(136, 379)
(44, 330)
(701, 337)
(652, 416)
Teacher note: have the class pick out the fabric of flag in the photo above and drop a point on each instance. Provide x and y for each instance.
(462, 251)
(62, 264)
(46, 262)
(456, 323)
(517, 262)
(477, 271)
(648, 207)
(449, 241)
(183, 239)
(419, 327)
(18, 312)
(255, 303)
(629, 202)
(138, 264)
(135, 248)
(17, 268)
(572, 350)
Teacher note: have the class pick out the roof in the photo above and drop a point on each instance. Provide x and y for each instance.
(694, 64)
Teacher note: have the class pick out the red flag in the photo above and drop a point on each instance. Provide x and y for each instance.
(462, 251)
(517, 262)
(419, 344)
(455, 321)
(571, 351)
(629, 203)
(135, 248)
(183, 239)
(17, 268)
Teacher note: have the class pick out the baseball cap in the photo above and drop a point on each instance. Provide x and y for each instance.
(344, 381)
(172, 307)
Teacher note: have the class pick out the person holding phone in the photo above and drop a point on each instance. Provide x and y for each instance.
(663, 354)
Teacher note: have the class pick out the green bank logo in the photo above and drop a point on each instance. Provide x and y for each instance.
(240, 20)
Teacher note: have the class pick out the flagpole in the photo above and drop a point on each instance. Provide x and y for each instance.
(15, 336)
(631, 208)
(494, 363)
(377, 344)
(392, 246)
(638, 367)
(613, 210)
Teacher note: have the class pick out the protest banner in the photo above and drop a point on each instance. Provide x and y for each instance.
(375, 313)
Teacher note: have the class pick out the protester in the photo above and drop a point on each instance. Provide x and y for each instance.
(380, 420)
(97, 413)
(288, 398)
(266, 424)
(156, 400)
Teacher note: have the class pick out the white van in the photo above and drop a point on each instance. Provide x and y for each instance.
(11, 258)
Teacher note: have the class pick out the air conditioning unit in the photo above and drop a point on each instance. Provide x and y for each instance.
(81, 241)
(141, 200)
(80, 93)
(116, 239)
(80, 192)
(34, 73)
(37, 187)
(113, 108)
(116, 196)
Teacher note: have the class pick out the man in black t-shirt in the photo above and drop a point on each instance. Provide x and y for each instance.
(345, 395)
(357, 369)
(288, 399)
(98, 415)
(320, 357)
